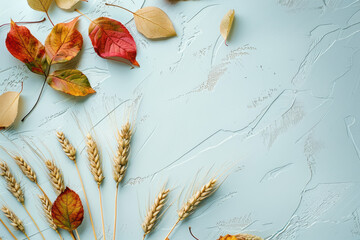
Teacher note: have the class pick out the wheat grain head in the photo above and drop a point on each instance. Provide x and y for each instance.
(47, 205)
(56, 177)
(94, 159)
(13, 186)
(14, 220)
(25, 168)
(69, 150)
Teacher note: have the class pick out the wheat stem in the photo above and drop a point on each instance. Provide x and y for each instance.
(72, 235)
(32, 219)
(8, 229)
(61, 238)
(115, 217)
(27, 236)
(86, 200)
(77, 234)
(102, 213)
(172, 229)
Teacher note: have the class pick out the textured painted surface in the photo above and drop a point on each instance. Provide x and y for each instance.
(279, 105)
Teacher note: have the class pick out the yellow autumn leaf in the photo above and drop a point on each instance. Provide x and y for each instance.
(240, 237)
(40, 5)
(67, 4)
(226, 24)
(9, 104)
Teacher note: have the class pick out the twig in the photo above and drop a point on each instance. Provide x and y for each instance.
(192, 234)
(24, 22)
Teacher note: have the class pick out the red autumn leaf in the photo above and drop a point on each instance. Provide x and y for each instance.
(64, 42)
(67, 210)
(25, 47)
(112, 40)
(240, 237)
(70, 81)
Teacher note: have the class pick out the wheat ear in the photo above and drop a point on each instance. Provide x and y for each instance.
(66, 146)
(120, 161)
(70, 151)
(13, 186)
(47, 205)
(56, 177)
(206, 191)
(96, 170)
(8, 229)
(14, 220)
(26, 168)
(94, 159)
(154, 213)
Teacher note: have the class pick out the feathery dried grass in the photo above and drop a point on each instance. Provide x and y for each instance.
(94, 159)
(154, 213)
(25, 168)
(47, 205)
(14, 220)
(13, 186)
(122, 154)
(197, 198)
(69, 150)
(56, 177)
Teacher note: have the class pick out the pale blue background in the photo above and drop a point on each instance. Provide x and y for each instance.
(276, 111)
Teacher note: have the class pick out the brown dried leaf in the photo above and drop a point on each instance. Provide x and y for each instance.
(9, 104)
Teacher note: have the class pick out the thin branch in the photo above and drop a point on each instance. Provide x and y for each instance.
(40, 21)
(192, 234)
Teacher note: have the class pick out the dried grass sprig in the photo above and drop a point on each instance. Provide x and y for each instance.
(25, 168)
(154, 213)
(122, 154)
(94, 159)
(56, 177)
(188, 208)
(120, 161)
(13, 186)
(69, 150)
(14, 220)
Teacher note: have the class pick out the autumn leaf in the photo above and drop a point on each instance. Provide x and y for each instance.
(240, 237)
(9, 104)
(40, 5)
(112, 40)
(64, 42)
(67, 4)
(152, 22)
(67, 211)
(226, 24)
(70, 81)
(25, 47)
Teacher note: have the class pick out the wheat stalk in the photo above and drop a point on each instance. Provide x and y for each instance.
(13, 186)
(14, 220)
(122, 154)
(154, 213)
(47, 205)
(66, 146)
(188, 208)
(94, 159)
(56, 177)
(25, 168)
(120, 161)
(8, 229)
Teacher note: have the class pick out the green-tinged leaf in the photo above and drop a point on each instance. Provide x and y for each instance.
(70, 81)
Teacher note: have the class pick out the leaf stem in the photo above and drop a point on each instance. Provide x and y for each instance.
(192, 234)
(32, 219)
(86, 200)
(102, 213)
(83, 14)
(172, 229)
(113, 5)
(8, 229)
(72, 235)
(115, 218)
(47, 14)
(24, 22)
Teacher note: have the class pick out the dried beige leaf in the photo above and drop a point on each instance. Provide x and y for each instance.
(226, 24)
(40, 5)
(67, 4)
(9, 104)
(154, 23)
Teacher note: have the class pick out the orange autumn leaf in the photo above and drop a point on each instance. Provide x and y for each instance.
(64, 42)
(240, 237)
(67, 210)
(112, 40)
(25, 47)
(70, 81)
